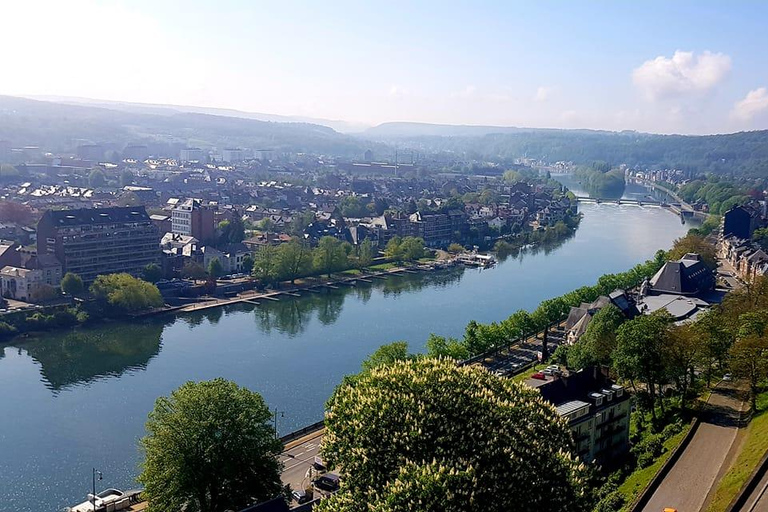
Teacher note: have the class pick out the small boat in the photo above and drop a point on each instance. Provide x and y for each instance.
(107, 501)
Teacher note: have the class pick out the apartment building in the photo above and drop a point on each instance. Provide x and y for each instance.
(95, 241)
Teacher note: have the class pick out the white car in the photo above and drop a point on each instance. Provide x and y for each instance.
(727, 377)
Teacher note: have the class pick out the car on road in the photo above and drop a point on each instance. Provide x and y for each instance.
(301, 496)
(328, 482)
(727, 377)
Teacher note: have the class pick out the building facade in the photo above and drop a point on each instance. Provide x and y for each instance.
(597, 411)
(193, 218)
(91, 242)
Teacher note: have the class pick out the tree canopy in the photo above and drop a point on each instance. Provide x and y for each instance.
(72, 284)
(210, 447)
(124, 293)
(423, 434)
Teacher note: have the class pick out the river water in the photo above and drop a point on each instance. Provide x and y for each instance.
(71, 401)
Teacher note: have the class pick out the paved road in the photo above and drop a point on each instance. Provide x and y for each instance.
(695, 473)
(758, 500)
(298, 459)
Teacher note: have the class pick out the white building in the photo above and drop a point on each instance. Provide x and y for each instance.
(21, 283)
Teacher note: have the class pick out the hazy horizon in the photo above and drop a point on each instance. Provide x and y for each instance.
(688, 67)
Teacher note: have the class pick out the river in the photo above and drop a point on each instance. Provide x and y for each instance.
(71, 401)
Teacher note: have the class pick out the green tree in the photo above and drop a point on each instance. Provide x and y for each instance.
(72, 284)
(231, 231)
(387, 354)
(97, 178)
(215, 269)
(126, 178)
(455, 248)
(440, 346)
(412, 248)
(365, 253)
(681, 349)
(394, 250)
(210, 447)
(125, 293)
(152, 273)
(598, 342)
(247, 264)
(329, 255)
(639, 354)
(400, 432)
(193, 270)
(693, 243)
(294, 260)
(749, 354)
(265, 264)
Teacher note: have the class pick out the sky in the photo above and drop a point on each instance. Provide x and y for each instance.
(654, 66)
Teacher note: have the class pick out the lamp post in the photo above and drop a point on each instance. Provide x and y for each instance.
(95, 472)
(282, 415)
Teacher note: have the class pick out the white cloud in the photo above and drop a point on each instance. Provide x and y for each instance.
(756, 102)
(543, 93)
(683, 73)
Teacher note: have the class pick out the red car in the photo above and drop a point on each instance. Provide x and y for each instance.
(539, 375)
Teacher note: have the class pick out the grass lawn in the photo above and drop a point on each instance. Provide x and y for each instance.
(351, 272)
(527, 373)
(753, 448)
(636, 482)
(383, 266)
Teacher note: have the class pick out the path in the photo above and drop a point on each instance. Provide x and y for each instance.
(696, 472)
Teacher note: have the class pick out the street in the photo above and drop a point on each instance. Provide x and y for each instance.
(694, 475)
(298, 458)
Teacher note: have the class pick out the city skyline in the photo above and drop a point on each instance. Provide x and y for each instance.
(684, 68)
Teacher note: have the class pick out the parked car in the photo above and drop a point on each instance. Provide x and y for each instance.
(328, 482)
(301, 496)
(539, 375)
(727, 377)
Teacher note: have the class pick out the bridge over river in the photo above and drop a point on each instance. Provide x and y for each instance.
(641, 202)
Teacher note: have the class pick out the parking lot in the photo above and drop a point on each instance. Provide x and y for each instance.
(512, 360)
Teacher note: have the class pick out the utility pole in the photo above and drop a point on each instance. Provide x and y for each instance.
(274, 416)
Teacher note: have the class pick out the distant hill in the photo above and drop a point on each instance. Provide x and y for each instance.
(154, 108)
(406, 130)
(61, 127)
(743, 153)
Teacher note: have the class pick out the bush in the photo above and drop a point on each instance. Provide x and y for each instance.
(6, 329)
(671, 430)
(613, 502)
(648, 450)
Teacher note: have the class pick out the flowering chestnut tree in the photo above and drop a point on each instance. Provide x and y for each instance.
(426, 435)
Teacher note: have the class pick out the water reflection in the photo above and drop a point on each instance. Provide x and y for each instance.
(87, 354)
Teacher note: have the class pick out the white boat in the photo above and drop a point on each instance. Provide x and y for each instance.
(108, 500)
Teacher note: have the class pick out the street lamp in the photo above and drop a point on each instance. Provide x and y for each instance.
(282, 415)
(95, 472)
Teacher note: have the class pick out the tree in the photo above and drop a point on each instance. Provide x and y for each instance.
(124, 293)
(126, 178)
(231, 231)
(193, 270)
(152, 273)
(329, 255)
(440, 346)
(215, 269)
(72, 284)
(210, 447)
(97, 178)
(680, 350)
(693, 243)
(749, 355)
(598, 342)
(365, 254)
(639, 352)
(247, 264)
(265, 264)
(400, 433)
(394, 250)
(294, 259)
(455, 248)
(412, 248)
(387, 354)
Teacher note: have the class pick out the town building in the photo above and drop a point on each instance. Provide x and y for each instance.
(193, 218)
(95, 241)
(22, 283)
(597, 411)
(232, 155)
(192, 155)
(741, 221)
